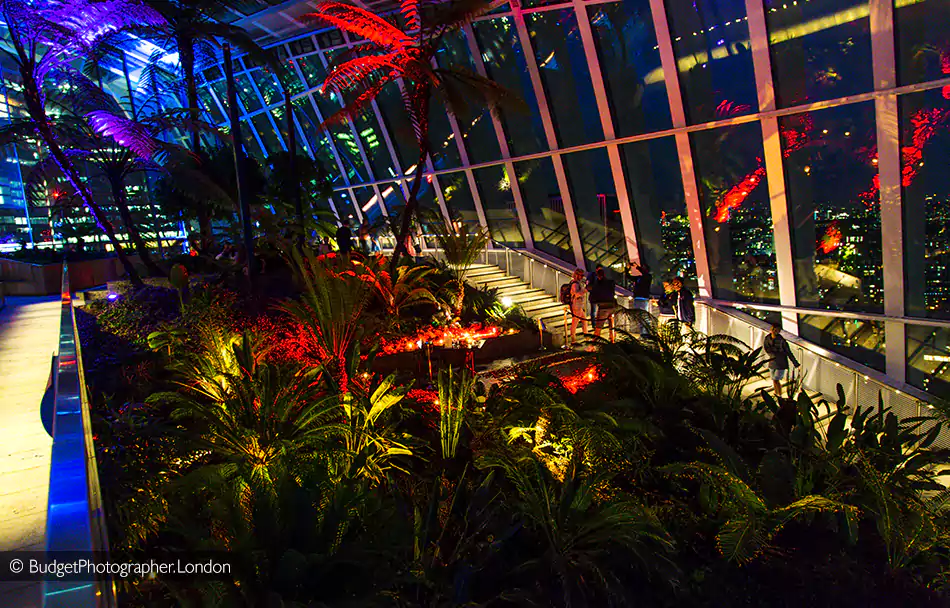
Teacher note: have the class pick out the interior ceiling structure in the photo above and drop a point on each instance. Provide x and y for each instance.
(279, 21)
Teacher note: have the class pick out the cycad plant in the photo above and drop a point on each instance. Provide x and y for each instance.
(588, 546)
(411, 286)
(461, 248)
(333, 299)
(406, 58)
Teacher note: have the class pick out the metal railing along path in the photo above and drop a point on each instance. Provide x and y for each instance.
(75, 520)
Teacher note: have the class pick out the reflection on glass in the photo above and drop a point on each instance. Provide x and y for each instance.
(494, 190)
(242, 84)
(713, 56)
(367, 200)
(923, 40)
(267, 134)
(478, 132)
(208, 102)
(267, 87)
(737, 218)
(545, 208)
(925, 140)
(458, 198)
(834, 210)
(859, 340)
(251, 147)
(505, 64)
(374, 144)
(317, 139)
(928, 359)
(630, 62)
(597, 210)
(312, 69)
(821, 49)
(562, 64)
(656, 195)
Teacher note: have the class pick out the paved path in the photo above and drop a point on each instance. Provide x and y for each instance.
(29, 336)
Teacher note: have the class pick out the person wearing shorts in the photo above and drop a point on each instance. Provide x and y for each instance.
(780, 352)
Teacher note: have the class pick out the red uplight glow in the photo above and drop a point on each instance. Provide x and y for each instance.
(832, 238)
(581, 379)
(441, 336)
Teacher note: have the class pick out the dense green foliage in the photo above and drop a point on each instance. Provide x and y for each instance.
(635, 474)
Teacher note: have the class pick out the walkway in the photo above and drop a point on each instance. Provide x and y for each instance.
(29, 336)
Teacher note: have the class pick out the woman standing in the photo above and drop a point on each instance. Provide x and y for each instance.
(578, 306)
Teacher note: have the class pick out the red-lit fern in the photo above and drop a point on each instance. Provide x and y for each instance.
(405, 58)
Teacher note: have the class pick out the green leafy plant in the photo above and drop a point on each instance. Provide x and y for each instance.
(456, 391)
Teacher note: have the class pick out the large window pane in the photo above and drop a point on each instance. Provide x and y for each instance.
(396, 121)
(565, 77)
(268, 87)
(821, 49)
(458, 198)
(478, 132)
(923, 40)
(630, 62)
(655, 182)
(207, 101)
(831, 180)
(504, 62)
(317, 139)
(266, 131)
(925, 150)
(494, 189)
(545, 207)
(711, 44)
(928, 359)
(312, 69)
(374, 145)
(242, 84)
(737, 218)
(597, 210)
(862, 341)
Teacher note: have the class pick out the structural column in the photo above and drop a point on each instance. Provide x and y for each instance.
(550, 134)
(774, 164)
(889, 168)
(678, 113)
(607, 123)
(502, 146)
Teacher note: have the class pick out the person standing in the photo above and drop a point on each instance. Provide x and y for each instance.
(682, 299)
(591, 279)
(364, 237)
(577, 308)
(641, 292)
(602, 295)
(344, 239)
(780, 352)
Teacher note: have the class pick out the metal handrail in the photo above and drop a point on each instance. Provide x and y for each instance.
(75, 521)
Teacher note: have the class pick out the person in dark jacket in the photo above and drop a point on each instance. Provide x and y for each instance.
(344, 239)
(682, 299)
(776, 347)
(602, 294)
(641, 291)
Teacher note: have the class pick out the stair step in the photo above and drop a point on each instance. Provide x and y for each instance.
(512, 290)
(549, 313)
(485, 270)
(502, 282)
(540, 305)
(525, 297)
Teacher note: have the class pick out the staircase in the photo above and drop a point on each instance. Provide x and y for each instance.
(536, 303)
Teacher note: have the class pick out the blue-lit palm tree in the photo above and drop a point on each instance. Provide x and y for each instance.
(46, 37)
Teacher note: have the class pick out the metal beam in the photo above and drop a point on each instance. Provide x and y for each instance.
(889, 169)
(678, 113)
(502, 145)
(774, 163)
(551, 136)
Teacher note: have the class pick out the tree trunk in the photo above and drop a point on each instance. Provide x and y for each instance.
(187, 57)
(412, 203)
(118, 196)
(37, 113)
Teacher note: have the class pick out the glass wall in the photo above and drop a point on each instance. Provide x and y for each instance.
(714, 59)
(494, 189)
(630, 63)
(821, 49)
(597, 210)
(737, 216)
(656, 195)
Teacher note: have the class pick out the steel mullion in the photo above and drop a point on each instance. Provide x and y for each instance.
(551, 135)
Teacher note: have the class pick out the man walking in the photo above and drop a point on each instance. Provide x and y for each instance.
(777, 347)
(344, 239)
